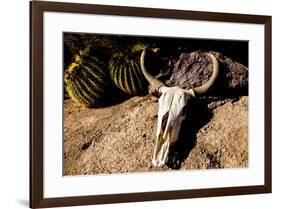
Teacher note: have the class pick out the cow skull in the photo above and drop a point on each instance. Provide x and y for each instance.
(173, 103)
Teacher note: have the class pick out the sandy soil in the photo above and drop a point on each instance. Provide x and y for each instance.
(121, 138)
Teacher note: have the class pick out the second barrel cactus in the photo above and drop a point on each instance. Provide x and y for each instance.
(125, 71)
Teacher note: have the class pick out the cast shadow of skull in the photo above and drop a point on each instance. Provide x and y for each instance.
(197, 116)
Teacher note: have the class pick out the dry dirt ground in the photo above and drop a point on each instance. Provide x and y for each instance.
(121, 138)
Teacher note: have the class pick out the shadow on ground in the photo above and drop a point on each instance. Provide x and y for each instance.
(197, 116)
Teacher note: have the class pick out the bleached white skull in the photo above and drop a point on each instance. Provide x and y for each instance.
(173, 102)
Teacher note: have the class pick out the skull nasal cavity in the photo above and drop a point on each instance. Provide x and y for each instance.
(164, 120)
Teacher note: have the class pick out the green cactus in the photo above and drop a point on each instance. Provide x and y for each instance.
(125, 71)
(127, 75)
(86, 80)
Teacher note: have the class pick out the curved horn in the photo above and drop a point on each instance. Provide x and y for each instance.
(205, 87)
(154, 82)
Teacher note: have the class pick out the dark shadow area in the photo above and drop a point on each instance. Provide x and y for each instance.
(197, 116)
(236, 50)
(114, 97)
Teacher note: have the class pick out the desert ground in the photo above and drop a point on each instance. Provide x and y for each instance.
(121, 138)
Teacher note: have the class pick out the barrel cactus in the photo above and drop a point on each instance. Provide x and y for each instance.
(125, 71)
(86, 80)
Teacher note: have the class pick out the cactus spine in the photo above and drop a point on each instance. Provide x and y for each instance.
(86, 80)
(125, 71)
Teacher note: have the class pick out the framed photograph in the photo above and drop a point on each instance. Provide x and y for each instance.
(138, 104)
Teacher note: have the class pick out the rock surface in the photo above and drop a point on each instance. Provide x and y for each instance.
(121, 138)
(193, 69)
